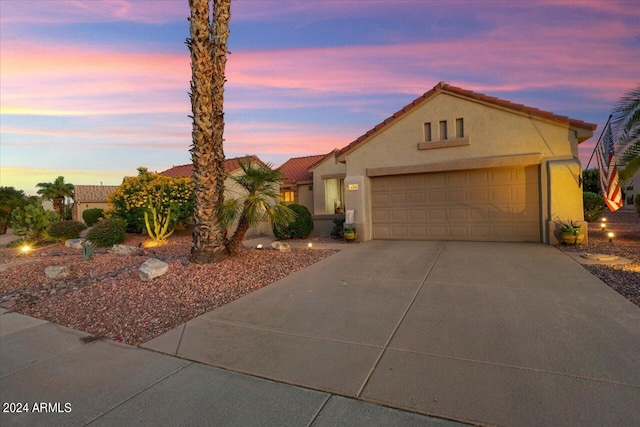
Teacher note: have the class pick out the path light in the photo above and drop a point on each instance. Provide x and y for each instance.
(25, 249)
(604, 219)
(602, 226)
(259, 246)
(310, 245)
(610, 236)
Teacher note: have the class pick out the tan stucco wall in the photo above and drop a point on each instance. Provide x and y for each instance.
(489, 132)
(564, 197)
(330, 167)
(304, 196)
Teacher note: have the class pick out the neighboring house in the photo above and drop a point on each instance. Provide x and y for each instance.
(458, 165)
(231, 167)
(630, 191)
(297, 183)
(91, 197)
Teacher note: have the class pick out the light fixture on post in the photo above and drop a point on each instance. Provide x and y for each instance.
(610, 236)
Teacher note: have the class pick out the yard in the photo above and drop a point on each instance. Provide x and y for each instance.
(105, 297)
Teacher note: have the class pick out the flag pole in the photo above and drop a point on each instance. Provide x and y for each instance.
(599, 139)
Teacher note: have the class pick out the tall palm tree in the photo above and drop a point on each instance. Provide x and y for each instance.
(208, 47)
(56, 191)
(259, 200)
(626, 122)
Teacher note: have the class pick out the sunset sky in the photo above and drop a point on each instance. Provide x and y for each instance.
(93, 89)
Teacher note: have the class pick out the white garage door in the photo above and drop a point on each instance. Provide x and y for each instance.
(482, 204)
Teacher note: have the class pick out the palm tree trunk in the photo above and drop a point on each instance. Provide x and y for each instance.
(208, 60)
(238, 236)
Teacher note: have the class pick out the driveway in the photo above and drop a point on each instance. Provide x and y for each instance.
(490, 333)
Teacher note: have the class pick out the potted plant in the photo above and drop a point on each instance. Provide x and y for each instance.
(571, 233)
(349, 232)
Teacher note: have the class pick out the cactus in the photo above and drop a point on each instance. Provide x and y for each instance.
(31, 221)
(159, 231)
(87, 249)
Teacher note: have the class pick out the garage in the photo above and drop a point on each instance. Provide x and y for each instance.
(497, 204)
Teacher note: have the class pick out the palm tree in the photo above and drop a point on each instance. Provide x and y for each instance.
(626, 121)
(56, 191)
(260, 200)
(208, 47)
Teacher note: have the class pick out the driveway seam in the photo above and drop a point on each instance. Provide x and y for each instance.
(386, 345)
(138, 393)
(254, 328)
(315, 416)
(506, 365)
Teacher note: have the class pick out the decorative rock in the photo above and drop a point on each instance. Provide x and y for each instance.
(152, 268)
(57, 271)
(281, 246)
(74, 243)
(126, 250)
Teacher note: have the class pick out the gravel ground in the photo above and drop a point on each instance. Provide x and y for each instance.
(105, 297)
(624, 278)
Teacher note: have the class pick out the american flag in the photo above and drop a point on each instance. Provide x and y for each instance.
(609, 181)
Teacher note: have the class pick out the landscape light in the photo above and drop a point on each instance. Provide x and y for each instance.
(25, 249)
(604, 219)
(259, 246)
(610, 236)
(603, 225)
(310, 245)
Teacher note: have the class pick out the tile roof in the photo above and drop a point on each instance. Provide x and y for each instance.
(230, 165)
(297, 168)
(445, 87)
(93, 193)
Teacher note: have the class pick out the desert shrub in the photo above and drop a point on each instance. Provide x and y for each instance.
(64, 230)
(299, 228)
(131, 199)
(593, 206)
(108, 232)
(31, 221)
(338, 228)
(91, 216)
(10, 199)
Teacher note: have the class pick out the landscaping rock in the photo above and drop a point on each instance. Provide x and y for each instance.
(152, 268)
(281, 246)
(126, 250)
(74, 243)
(57, 271)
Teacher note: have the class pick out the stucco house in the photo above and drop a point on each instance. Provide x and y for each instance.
(91, 197)
(630, 190)
(297, 182)
(458, 165)
(231, 167)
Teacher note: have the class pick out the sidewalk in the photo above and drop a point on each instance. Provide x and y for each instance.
(103, 383)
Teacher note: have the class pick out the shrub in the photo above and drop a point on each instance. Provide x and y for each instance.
(338, 228)
(10, 199)
(91, 216)
(299, 228)
(64, 230)
(108, 232)
(31, 221)
(130, 200)
(593, 206)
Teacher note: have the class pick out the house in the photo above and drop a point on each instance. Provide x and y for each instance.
(297, 182)
(631, 190)
(231, 167)
(91, 197)
(458, 165)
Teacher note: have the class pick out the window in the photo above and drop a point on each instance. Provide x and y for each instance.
(427, 132)
(287, 196)
(443, 129)
(334, 195)
(459, 128)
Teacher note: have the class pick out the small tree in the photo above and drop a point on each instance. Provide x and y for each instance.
(56, 191)
(259, 200)
(31, 221)
(10, 199)
(591, 181)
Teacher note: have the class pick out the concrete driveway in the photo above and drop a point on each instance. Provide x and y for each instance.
(489, 333)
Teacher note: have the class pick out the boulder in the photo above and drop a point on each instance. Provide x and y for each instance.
(74, 243)
(152, 268)
(126, 250)
(281, 246)
(57, 271)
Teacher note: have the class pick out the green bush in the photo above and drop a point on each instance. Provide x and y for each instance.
(299, 228)
(64, 230)
(91, 216)
(593, 206)
(338, 228)
(108, 232)
(31, 221)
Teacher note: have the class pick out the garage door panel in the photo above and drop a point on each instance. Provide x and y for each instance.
(486, 205)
